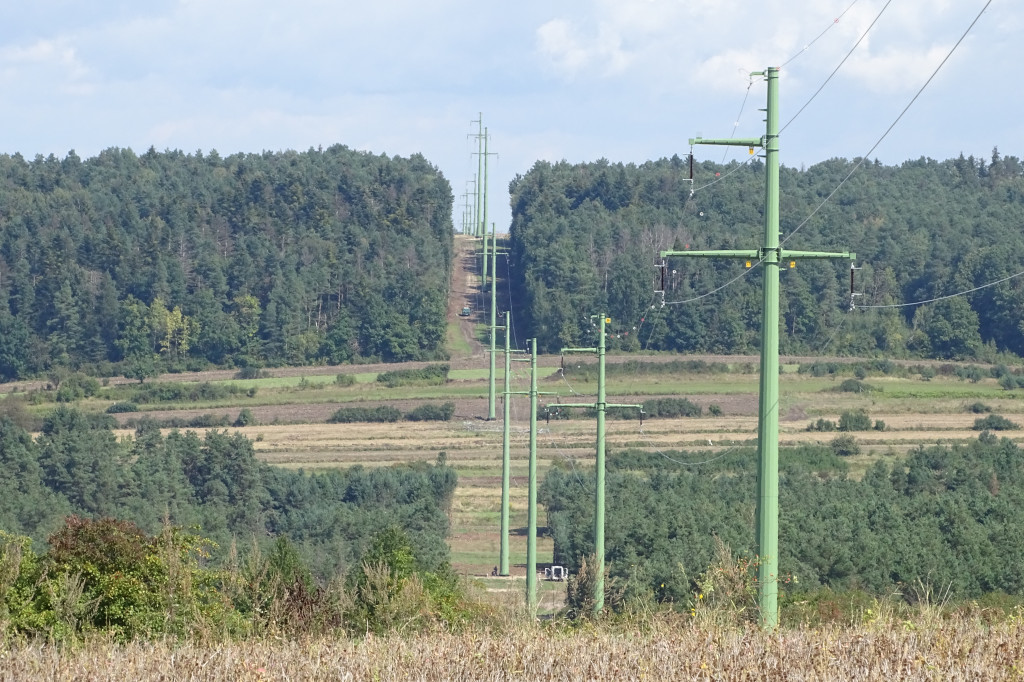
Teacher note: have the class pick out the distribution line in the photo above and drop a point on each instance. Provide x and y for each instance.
(736, 123)
(836, 70)
(827, 29)
(947, 296)
(856, 167)
(891, 126)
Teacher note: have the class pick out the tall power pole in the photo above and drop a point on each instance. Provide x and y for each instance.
(531, 511)
(494, 319)
(599, 465)
(770, 255)
(506, 451)
(479, 172)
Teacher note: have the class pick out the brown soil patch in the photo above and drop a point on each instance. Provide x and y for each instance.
(465, 291)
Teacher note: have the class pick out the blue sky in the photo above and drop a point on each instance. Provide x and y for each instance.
(626, 80)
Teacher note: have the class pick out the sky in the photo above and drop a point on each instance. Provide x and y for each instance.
(575, 80)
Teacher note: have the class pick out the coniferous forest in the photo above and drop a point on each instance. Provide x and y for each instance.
(172, 260)
(586, 237)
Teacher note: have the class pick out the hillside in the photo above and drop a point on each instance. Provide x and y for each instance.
(585, 239)
(175, 261)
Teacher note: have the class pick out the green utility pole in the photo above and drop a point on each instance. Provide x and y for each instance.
(506, 452)
(599, 466)
(494, 318)
(479, 173)
(531, 512)
(470, 229)
(467, 218)
(481, 229)
(770, 255)
(483, 267)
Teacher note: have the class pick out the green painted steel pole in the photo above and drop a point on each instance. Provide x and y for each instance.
(599, 470)
(483, 267)
(768, 412)
(531, 512)
(483, 221)
(506, 453)
(771, 256)
(479, 171)
(494, 318)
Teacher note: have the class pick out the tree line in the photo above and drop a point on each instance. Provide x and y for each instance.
(138, 263)
(585, 239)
(948, 517)
(214, 483)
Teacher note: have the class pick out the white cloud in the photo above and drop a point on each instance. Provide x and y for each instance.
(50, 62)
(572, 54)
(895, 70)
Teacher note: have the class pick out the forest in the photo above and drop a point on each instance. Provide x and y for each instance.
(136, 264)
(77, 466)
(585, 239)
(945, 517)
(165, 261)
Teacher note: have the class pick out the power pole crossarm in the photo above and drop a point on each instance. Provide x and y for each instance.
(784, 254)
(731, 142)
(711, 254)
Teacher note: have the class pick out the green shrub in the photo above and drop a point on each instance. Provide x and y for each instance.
(714, 410)
(854, 420)
(245, 418)
(118, 408)
(666, 408)
(431, 375)
(202, 421)
(382, 413)
(845, 446)
(432, 412)
(1009, 382)
(75, 386)
(108, 575)
(345, 380)
(854, 386)
(164, 392)
(972, 373)
(252, 372)
(588, 371)
(822, 425)
(978, 408)
(994, 422)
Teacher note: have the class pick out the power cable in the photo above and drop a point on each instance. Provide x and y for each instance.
(943, 298)
(891, 126)
(836, 70)
(827, 29)
(736, 124)
(856, 166)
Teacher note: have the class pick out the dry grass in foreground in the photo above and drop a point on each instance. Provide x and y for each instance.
(958, 649)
